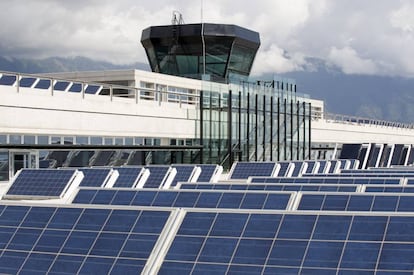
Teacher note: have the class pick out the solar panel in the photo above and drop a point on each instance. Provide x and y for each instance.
(323, 167)
(158, 176)
(40, 183)
(27, 81)
(208, 172)
(95, 177)
(60, 240)
(333, 167)
(188, 199)
(128, 176)
(7, 80)
(92, 89)
(257, 243)
(311, 167)
(75, 88)
(43, 84)
(184, 173)
(61, 85)
(243, 170)
(297, 168)
(283, 169)
(357, 202)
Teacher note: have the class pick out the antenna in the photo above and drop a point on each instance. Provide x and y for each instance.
(177, 18)
(201, 11)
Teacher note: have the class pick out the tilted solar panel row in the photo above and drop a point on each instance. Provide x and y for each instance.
(272, 187)
(42, 83)
(362, 175)
(243, 170)
(357, 202)
(388, 189)
(335, 179)
(188, 199)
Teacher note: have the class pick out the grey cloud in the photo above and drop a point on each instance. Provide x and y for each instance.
(370, 36)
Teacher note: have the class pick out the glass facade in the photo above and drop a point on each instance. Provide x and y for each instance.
(254, 121)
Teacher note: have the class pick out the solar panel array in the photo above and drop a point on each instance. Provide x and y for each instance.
(339, 224)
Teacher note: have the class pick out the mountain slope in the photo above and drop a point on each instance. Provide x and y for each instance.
(60, 64)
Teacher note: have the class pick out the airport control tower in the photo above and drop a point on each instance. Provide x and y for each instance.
(194, 50)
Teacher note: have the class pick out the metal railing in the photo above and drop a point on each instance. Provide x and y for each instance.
(356, 120)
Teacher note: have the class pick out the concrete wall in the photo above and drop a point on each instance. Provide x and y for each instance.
(38, 112)
(324, 131)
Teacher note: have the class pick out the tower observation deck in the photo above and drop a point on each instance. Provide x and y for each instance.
(194, 50)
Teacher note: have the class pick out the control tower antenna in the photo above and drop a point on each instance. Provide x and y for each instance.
(201, 11)
(177, 18)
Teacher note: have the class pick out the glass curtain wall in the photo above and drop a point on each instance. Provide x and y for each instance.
(254, 121)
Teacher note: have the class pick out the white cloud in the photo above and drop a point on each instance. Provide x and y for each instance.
(403, 19)
(276, 60)
(350, 63)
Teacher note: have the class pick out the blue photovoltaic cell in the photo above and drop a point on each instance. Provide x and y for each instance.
(128, 176)
(243, 170)
(291, 244)
(193, 199)
(53, 240)
(157, 176)
(207, 172)
(94, 177)
(184, 173)
(41, 182)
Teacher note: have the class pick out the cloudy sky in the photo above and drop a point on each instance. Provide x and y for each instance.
(370, 37)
